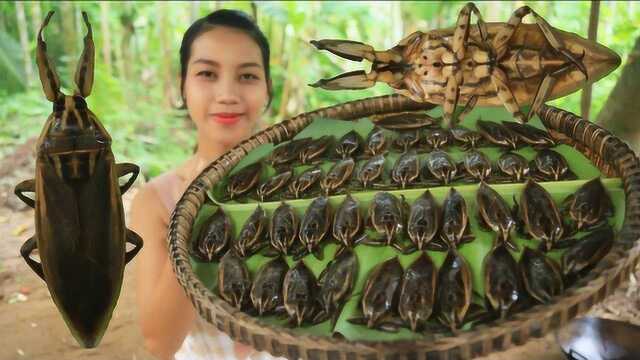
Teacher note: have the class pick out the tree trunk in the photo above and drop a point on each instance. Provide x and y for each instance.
(126, 21)
(622, 107)
(167, 83)
(36, 16)
(585, 100)
(24, 42)
(106, 35)
(69, 30)
(3, 26)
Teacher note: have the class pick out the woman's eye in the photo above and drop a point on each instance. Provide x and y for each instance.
(207, 74)
(248, 77)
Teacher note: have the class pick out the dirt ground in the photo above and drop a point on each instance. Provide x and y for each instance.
(31, 327)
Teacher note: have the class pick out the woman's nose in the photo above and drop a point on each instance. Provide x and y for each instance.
(227, 91)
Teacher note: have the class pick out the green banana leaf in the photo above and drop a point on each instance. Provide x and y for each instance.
(370, 256)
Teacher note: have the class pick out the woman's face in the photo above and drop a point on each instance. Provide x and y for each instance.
(225, 86)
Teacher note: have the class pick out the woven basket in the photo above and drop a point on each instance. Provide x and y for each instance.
(610, 154)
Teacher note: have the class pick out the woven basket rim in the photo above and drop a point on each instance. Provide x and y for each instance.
(212, 308)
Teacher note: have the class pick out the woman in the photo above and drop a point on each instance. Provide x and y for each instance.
(226, 87)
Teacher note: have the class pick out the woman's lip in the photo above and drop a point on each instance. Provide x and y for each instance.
(226, 118)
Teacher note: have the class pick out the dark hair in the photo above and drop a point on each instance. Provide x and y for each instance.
(224, 17)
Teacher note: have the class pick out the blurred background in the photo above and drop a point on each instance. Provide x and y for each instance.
(136, 96)
(136, 87)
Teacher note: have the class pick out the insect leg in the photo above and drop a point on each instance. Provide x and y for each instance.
(136, 241)
(356, 80)
(357, 51)
(452, 92)
(26, 186)
(48, 76)
(26, 250)
(461, 32)
(499, 79)
(502, 38)
(123, 169)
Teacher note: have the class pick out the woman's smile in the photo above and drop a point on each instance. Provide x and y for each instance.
(226, 118)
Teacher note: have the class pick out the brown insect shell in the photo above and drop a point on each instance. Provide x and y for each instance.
(541, 276)
(234, 281)
(252, 231)
(454, 292)
(266, 290)
(347, 221)
(424, 220)
(590, 204)
(305, 180)
(244, 180)
(80, 230)
(299, 293)
(381, 291)
(283, 219)
(337, 280)
(455, 219)
(288, 152)
(371, 170)
(376, 141)
(537, 207)
(418, 291)
(338, 174)
(494, 211)
(386, 214)
(404, 120)
(588, 251)
(315, 223)
(316, 148)
(530, 134)
(514, 165)
(551, 163)
(477, 164)
(501, 281)
(406, 169)
(498, 134)
(437, 138)
(441, 165)
(214, 238)
(465, 136)
(349, 144)
(274, 184)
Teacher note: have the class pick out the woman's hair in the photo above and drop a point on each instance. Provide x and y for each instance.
(231, 18)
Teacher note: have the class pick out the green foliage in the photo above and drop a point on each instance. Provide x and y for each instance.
(11, 64)
(134, 96)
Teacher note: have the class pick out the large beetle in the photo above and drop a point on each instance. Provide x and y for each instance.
(80, 229)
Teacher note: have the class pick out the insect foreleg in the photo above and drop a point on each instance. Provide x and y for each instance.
(499, 80)
(502, 38)
(23, 187)
(26, 250)
(461, 33)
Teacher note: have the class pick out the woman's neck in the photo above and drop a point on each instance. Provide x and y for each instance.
(205, 154)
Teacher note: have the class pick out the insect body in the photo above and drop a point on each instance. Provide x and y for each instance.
(80, 228)
(491, 64)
